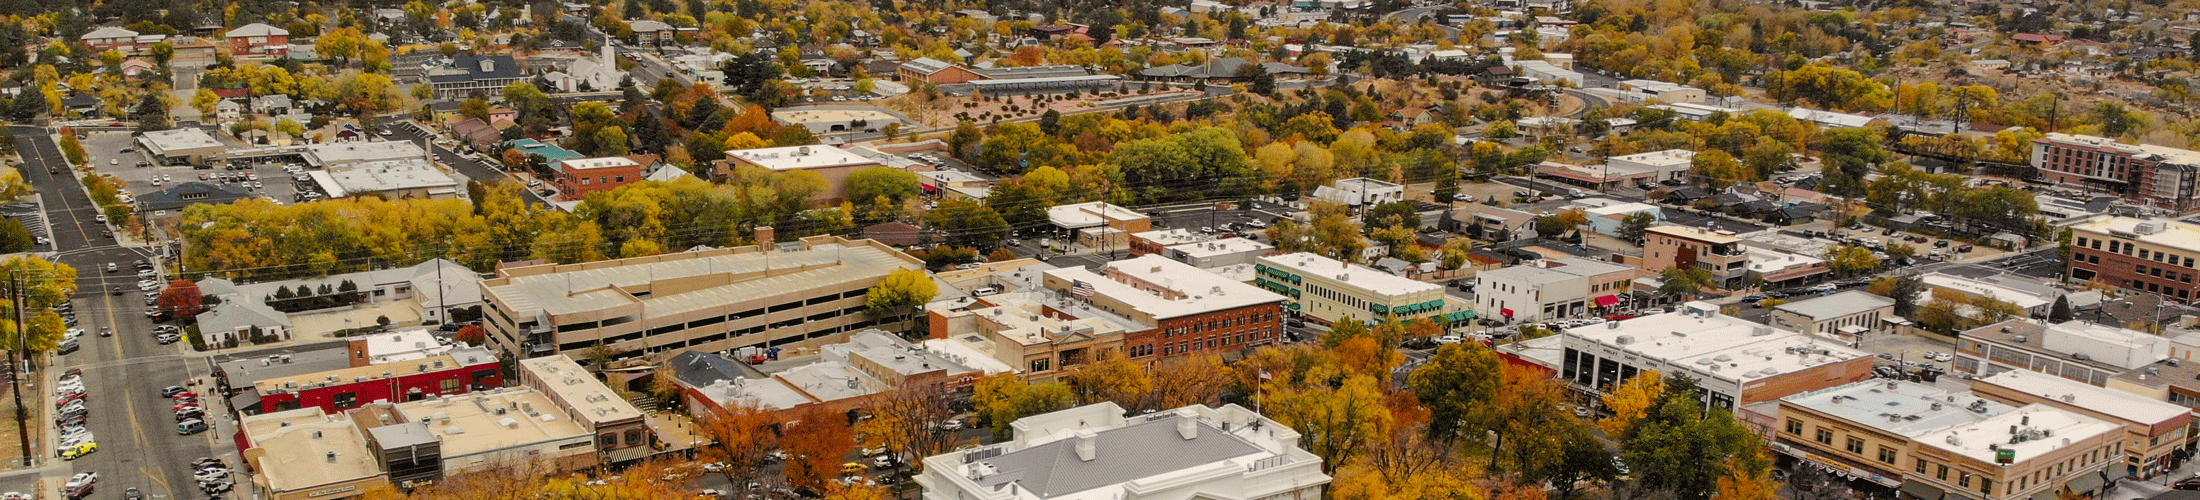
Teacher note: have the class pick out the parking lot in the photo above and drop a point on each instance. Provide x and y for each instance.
(33, 219)
(117, 154)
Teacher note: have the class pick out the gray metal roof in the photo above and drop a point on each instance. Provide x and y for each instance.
(402, 435)
(1123, 454)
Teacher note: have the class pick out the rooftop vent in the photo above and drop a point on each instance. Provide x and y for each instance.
(331, 457)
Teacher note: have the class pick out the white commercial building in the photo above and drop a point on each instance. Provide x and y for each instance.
(1667, 165)
(1735, 361)
(1094, 452)
(341, 154)
(1542, 290)
(181, 145)
(410, 178)
(1666, 92)
(1846, 316)
(1549, 74)
(1360, 191)
(1330, 291)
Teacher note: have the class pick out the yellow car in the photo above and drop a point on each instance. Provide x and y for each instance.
(79, 451)
(852, 468)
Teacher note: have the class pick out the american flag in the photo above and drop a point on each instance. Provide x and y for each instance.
(1081, 288)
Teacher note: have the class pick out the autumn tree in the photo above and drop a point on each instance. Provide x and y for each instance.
(1003, 398)
(1113, 378)
(45, 284)
(900, 294)
(472, 335)
(1683, 447)
(740, 434)
(1630, 401)
(182, 299)
(815, 444)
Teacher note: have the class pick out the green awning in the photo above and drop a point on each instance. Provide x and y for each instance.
(2086, 484)
(2047, 494)
(1922, 491)
(1292, 306)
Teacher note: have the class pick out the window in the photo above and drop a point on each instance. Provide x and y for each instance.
(1825, 436)
(607, 441)
(347, 399)
(1040, 365)
(1986, 486)
(1856, 446)
(450, 385)
(634, 437)
(1920, 465)
(1964, 480)
(1886, 454)
(1941, 472)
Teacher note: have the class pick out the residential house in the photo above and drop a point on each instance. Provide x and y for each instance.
(259, 41)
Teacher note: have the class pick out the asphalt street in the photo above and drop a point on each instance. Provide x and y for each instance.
(123, 374)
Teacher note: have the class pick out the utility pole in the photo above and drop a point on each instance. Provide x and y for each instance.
(15, 366)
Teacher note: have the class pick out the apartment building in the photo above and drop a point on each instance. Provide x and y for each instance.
(2153, 429)
(621, 434)
(2142, 255)
(1329, 291)
(1191, 311)
(1932, 444)
(1094, 451)
(1847, 316)
(720, 299)
(1541, 290)
(2158, 176)
(832, 163)
(2085, 352)
(258, 41)
(1735, 361)
(1717, 251)
(579, 177)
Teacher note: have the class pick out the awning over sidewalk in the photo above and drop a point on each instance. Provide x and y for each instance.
(1920, 490)
(1607, 301)
(2086, 484)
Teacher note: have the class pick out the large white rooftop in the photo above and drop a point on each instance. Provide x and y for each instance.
(385, 176)
(1366, 278)
(1903, 408)
(599, 285)
(2124, 405)
(1553, 271)
(1083, 215)
(1166, 288)
(2165, 232)
(1837, 305)
(305, 448)
(800, 157)
(339, 153)
(595, 163)
(179, 139)
(494, 420)
(1699, 338)
(587, 399)
(1983, 439)
(1221, 246)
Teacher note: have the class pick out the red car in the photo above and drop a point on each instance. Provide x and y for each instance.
(185, 395)
(1619, 317)
(188, 406)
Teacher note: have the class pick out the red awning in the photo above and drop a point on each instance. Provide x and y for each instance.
(1508, 312)
(1607, 301)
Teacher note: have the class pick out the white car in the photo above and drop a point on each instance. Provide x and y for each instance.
(81, 479)
(1448, 339)
(102, 218)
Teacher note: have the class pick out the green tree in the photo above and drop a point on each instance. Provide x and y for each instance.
(2061, 312)
(968, 224)
(1685, 281)
(960, 141)
(204, 101)
(1906, 290)
(1635, 225)
(1850, 259)
(45, 284)
(892, 183)
(901, 294)
(1849, 155)
(14, 237)
(1458, 380)
(1684, 448)
(1003, 398)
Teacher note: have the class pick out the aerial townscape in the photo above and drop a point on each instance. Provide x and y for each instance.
(1083, 250)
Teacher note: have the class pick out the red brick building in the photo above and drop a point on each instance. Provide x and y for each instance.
(259, 41)
(2153, 256)
(2159, 176)
(936, 72)
(578, 177)
(461, 371)
(1192, 311)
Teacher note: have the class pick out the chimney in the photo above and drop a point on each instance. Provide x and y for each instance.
(1187, 427)
(1087, 446)
(764, 237)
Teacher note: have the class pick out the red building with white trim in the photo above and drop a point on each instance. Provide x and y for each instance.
(458, 372)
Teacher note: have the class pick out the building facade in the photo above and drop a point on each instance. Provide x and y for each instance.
(1720, 252)
(1191, 311)
(259, 41)
(1330, 291)
(2157, 176)
(1541, 290)
(621, 434)
(710, 300)
(2153, 430)
(577, 178)
(1846, 315)
(1736, 362)
(1932, 444)
(461, 371)
(2153, 256)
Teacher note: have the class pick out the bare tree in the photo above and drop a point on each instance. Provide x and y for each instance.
(907, 421)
